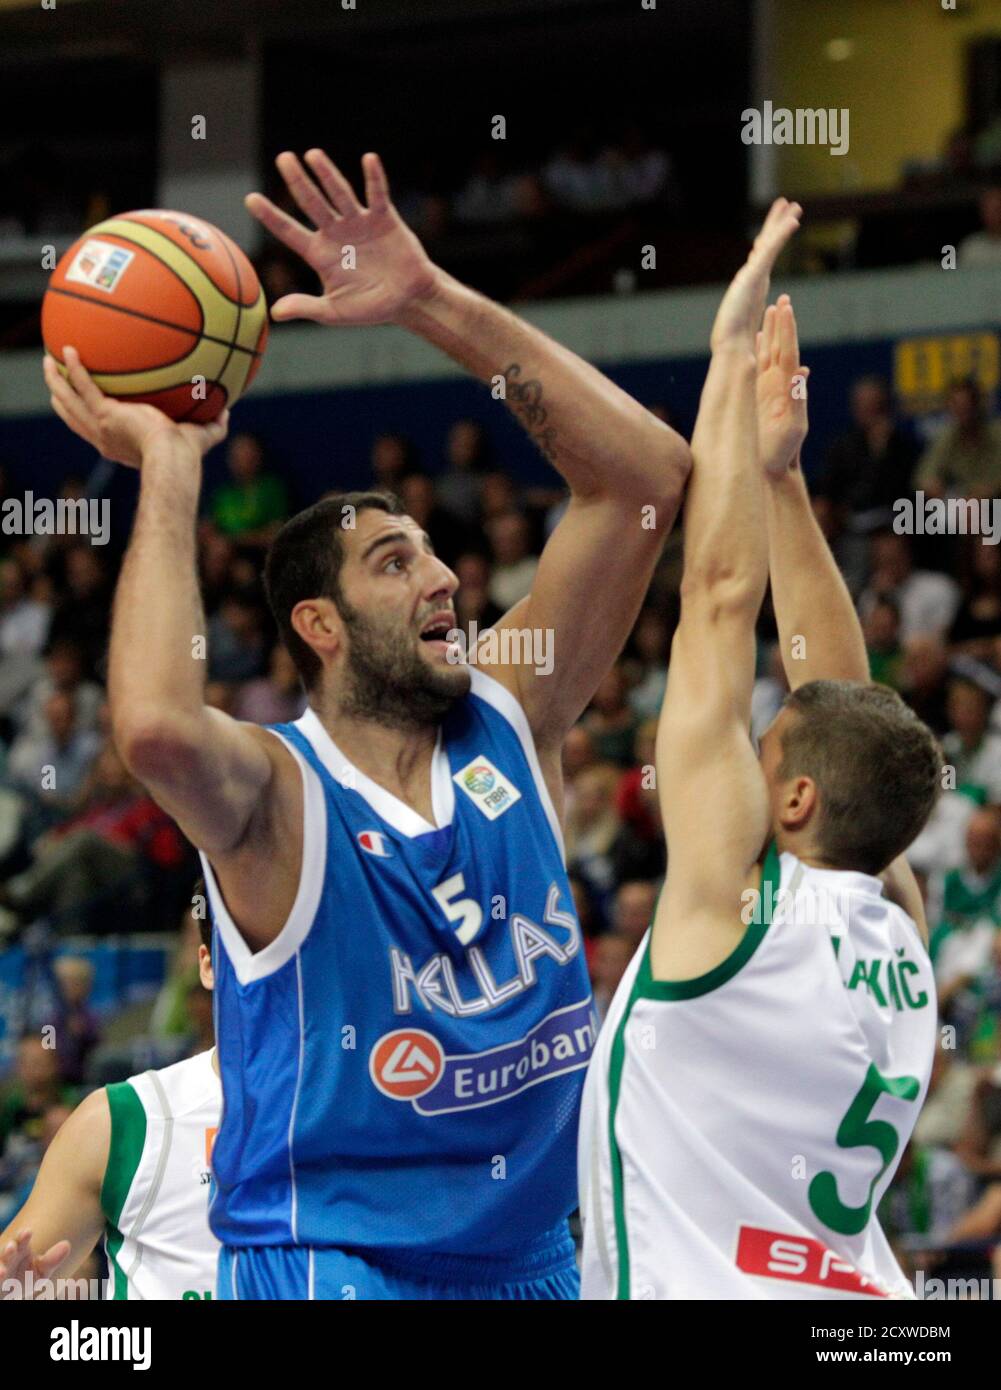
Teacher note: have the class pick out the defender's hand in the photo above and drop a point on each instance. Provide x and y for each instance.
(16, 1259)
(739, 316)
(119, 430)
(390, 267)
(781, 390)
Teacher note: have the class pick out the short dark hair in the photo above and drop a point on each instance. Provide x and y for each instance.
(876, 765)
(305, 561)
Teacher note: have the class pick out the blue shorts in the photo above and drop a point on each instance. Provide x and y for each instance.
(283, 1272)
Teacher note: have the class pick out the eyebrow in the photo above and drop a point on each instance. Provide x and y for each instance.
(393, 538)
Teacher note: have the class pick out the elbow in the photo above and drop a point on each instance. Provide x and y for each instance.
(154, 747)
(719, 589)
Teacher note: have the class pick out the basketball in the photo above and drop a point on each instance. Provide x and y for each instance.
(163, 308)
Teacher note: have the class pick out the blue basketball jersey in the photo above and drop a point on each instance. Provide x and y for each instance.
(402, 1065)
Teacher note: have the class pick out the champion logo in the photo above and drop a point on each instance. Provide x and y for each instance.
(406, 1063)
(375, 842)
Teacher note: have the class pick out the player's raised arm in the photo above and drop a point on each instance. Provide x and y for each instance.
(811, 599)
(204, 768)
(820, 635)
(62, 1220)
(711, 788)
(617, 458)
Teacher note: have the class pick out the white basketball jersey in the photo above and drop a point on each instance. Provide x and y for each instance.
(739, 1130)
(156, 1188)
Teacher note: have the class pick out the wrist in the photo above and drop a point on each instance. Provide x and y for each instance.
(427, 303)
(167, 448)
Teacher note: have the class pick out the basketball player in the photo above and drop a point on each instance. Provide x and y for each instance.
(402, 1004)
(132, 1164)
(769, 1048)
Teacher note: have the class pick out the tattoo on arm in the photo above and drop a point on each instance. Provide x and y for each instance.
(525, 399)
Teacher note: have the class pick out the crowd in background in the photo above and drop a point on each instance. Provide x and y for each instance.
(84, 850)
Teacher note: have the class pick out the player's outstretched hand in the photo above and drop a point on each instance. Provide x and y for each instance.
(781, 390)
(370, 264)
(16, 1259)
(122, 431)
(739, 316)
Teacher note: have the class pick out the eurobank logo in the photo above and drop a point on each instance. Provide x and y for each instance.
(409, 1064)
(406, 1063)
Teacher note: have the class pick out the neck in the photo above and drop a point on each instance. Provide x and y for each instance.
(396, 758)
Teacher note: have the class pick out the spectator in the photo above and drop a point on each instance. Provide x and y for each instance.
(236, 642)
(965, 460)
(50, 766)
(252, 507)
(977, 624)
(82, 614)
(930, 1192)
(882, 641)
(24, 621)
(611, 721)
(970, 747)
(77, 1028)
(947, 1104)
(591, 828)
(927, 602)
(866, 470)
(924, 679)
(100, 854)
(277, 698)
(982, 250)
(493, 196)
(639, 846)
(63, 674)
(472, 598)
(467, 457)
(609, 962)
(979, 1145)
(498, 496)
(417, 493)
(37, 1085)
(393, 457)
(514, 564)
(632, 911)
(651, 643)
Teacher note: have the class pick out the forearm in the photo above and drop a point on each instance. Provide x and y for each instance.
(810, 597)
(597, 436)
(725, 543)
(155, 670)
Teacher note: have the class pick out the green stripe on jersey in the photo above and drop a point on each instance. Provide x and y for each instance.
(646, 987)
(128, 1139)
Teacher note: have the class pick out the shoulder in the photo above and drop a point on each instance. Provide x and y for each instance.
(84, 1140)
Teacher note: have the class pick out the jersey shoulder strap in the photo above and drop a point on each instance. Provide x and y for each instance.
(128, 1140)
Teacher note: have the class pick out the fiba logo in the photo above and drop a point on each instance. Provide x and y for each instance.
(406, 1063)
(479, 778)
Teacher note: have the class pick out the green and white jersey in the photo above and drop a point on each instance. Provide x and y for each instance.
(739, 1130)
(156, 1188)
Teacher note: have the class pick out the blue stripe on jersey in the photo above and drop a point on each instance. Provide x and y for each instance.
(402, 1070)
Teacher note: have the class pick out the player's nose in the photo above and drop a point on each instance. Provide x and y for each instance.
(441, 581)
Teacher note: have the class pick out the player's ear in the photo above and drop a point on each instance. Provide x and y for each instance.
(799, 802)
(318, 623)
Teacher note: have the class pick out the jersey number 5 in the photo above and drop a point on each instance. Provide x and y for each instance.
(466, 911)
(855, 1130)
